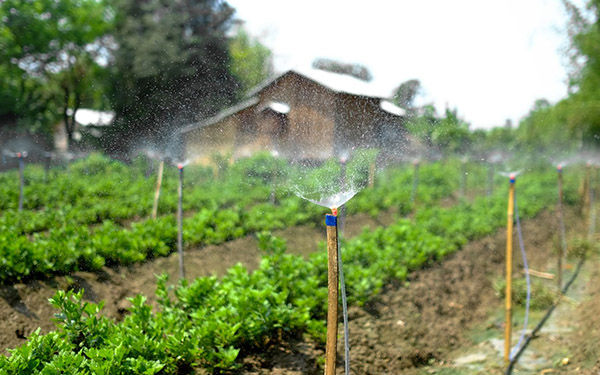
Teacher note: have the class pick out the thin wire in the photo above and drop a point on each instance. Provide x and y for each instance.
(516, 348)
(344, 301)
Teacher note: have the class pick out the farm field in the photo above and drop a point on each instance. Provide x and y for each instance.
(409, 315)
(225, 187)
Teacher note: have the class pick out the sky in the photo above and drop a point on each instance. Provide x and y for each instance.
(490, 60)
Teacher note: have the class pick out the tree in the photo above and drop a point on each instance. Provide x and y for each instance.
(48, 49)
(355, 70)
(171, 68)
(582, 105)
(451, 134)
(406, 93)
(251, 61)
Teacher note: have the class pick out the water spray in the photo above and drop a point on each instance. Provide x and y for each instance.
(180, 221)
(561, 222)
(495, 158)
(159, 176)
(343, 167)
(509, 255)
(332, 292)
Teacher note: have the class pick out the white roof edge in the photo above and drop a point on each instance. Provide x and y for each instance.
(339, 83)
(220, 116)
(92, 117)
(279, 107)
(390, 107)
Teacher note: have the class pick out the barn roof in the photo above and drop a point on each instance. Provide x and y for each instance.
(339, 83)
(221, 115)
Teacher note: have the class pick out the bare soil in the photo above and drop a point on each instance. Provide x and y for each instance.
(582, 342)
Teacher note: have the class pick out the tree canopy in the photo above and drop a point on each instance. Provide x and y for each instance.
(250, 60)
(49, 51)
(159, 64)
(171, 67)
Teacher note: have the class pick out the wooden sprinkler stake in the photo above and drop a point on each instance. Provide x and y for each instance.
(161, 166)
(413, 193)
(47, 162)
(21, 156)
(585, 193)
(490, 179)
(180, 222)
(332, 300)
(509, 255)
(561, 221)
(463, 180)
(592, 209)
(371, 178)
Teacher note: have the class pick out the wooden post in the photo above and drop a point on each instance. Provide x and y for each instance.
(585, 193)
(509, 254)
(180, 222)
(21, 179)
(413, 194)
(463, 180)
(490, 179)
(592, 209)
(47, 162)
(563, 239)
(332, 300)
(161, 166)
(371, 175)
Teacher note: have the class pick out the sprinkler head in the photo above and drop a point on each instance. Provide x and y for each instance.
(334, 211)
(180, 166)
(512, 178)
(559, 168)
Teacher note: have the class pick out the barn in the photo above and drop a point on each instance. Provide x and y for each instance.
(302, 114)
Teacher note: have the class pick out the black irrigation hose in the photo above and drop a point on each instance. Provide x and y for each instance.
(537, 328)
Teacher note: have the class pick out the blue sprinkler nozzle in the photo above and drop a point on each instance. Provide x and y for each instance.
(330, 220)
(513, 178)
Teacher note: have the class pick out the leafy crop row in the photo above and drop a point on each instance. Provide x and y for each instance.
(68, 246)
